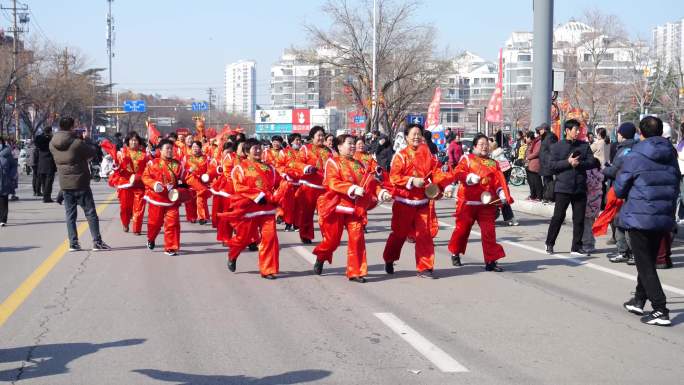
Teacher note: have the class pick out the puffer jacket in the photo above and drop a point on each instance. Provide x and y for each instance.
(72, 155)
(649, 181)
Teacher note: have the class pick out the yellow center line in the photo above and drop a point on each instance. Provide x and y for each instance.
(14, 300)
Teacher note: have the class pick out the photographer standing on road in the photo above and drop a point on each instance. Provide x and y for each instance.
(72, 156)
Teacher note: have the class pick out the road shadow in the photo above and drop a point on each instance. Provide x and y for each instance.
(294, 377)
(16, 249)
(532, 265)
(51, 359)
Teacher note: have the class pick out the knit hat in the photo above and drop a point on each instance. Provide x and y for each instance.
(627, 130)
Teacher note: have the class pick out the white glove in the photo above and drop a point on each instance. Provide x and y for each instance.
(358, 191)
(169, 187)
(418, 182)
(158, 187)
(385, 196)
(472, 179)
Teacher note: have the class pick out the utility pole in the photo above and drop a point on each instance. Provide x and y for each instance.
(110, 53)
(15, 57)
(541, 71)
(374, 96)
(211, 98)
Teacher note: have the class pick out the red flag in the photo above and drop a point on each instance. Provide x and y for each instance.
(613, 205)
(152, 133)
(495, 106)
(109, 148)
(433, 109)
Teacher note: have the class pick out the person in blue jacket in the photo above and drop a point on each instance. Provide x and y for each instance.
(649, 182)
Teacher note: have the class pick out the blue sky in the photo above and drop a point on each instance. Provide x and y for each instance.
(180, 48)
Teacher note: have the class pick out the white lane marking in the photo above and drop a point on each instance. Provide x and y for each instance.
(306, 254)
(437, 356)
(578, 262)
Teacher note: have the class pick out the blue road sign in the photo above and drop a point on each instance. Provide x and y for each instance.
(415, 119)
(200, 106)
(359, 119)
(134, 106)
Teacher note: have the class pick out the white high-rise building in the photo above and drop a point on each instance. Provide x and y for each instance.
(241, 88)
(295, 82)
(668, 43)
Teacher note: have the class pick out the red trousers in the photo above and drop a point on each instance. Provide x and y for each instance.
(196, 208)
(289, 205)
(406, 219)
(332, 228)
(169, 217)
(268, 246)
(485, 217)
(216, 207)
(306, 205)
(132, 207)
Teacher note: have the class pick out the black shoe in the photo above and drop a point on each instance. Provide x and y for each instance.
(202, 222)
(630, 260)
(580, 252)
(101, 246)
(493, 266)
(456, 260)
(365, 230)
(318, 267)
(288, 228)
(358, 279)
(295, 228)
(657, 318)
(549, 249)
(635, 307)
(150, 245)
(75, 247)
(232, 265)
(389, 267)
(306, 241)
(253, 247)
(426, 274)
(279, 220)
(59, 199)
(48, 201)
(125, 229)
(269, 276)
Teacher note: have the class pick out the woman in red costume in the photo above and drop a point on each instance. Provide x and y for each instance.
(160, 177)
(127, 178)
(352, 189)
(482, 188)
(412, 169)
(197, 177)
(287, 166)
(254, 209)
(312, 158)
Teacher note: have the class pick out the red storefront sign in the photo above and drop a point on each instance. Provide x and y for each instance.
(301, 120)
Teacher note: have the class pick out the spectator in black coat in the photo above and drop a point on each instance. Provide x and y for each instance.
(46, 164)
(384, 153)
(570, 161)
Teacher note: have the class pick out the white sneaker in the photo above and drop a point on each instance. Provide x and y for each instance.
(2, 224)
(680, 222)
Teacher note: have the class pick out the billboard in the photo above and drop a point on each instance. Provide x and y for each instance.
(273, 116)
(274, 128)
(301, 120)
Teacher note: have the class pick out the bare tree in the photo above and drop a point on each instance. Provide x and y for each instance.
(407, 69)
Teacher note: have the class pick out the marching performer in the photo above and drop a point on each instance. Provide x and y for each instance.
(352, 189)
(287, 166)
(198, 178)
(222, 186)
(368, 163)
(482, 188)
(412, 170)
(253, 210)
(127, 178)
(161, 178)
(312, 158)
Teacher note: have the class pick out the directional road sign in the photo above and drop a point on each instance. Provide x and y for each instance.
(200, 106)
(134, 106)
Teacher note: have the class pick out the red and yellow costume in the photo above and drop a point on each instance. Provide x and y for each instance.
(254, 208)
(162, 211)
(411, 209)
(339, 208)
(471, 208)
(197, 207)
(132, 206)
(310, 157)
(369, 164)
(286, 165)
(222, 189)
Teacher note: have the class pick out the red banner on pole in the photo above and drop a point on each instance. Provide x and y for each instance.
(433, 110)
(495, 106)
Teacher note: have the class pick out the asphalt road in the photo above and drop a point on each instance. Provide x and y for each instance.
(132, 316)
